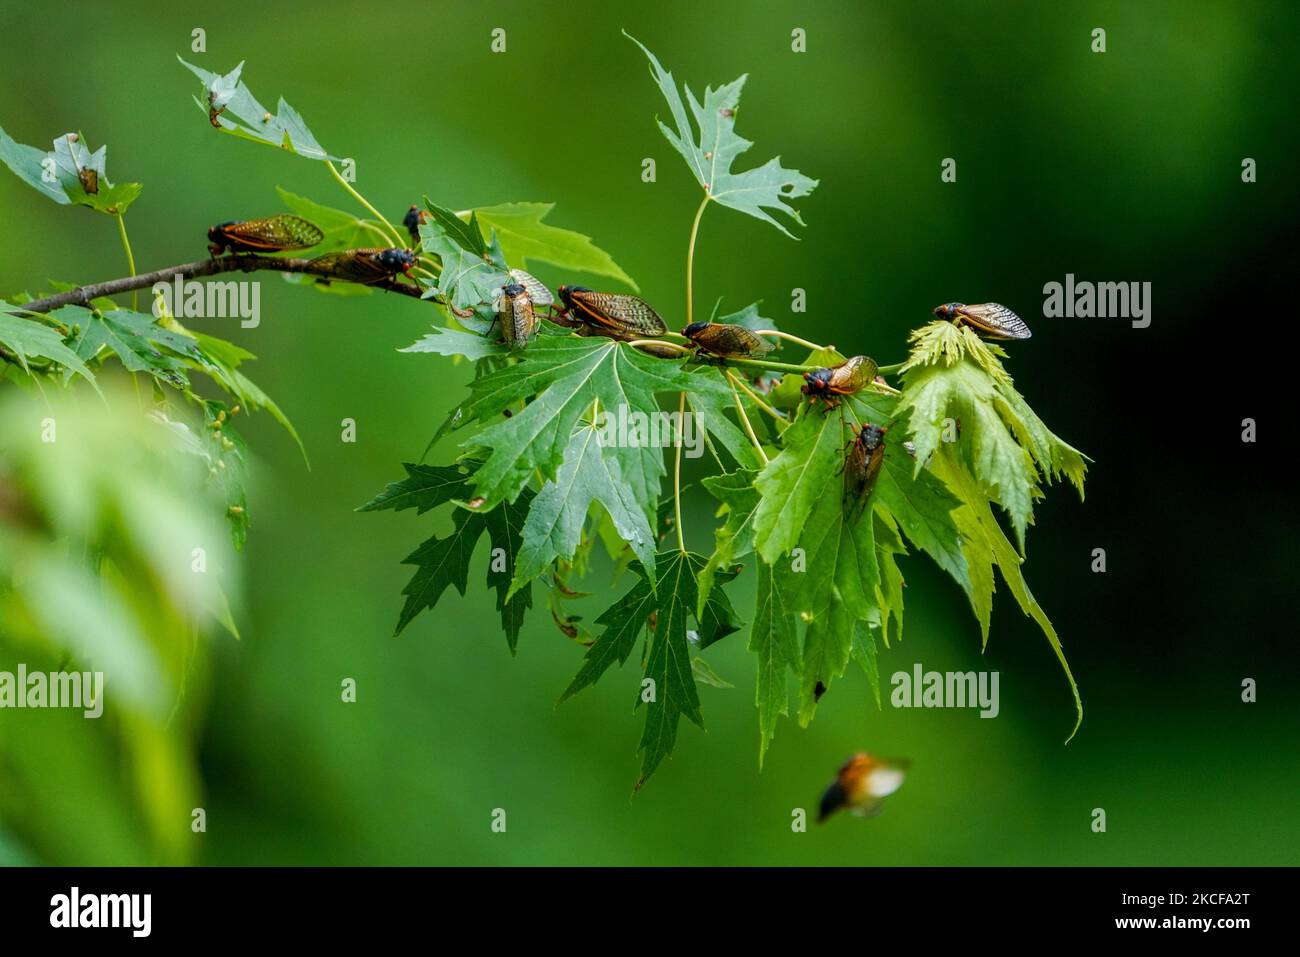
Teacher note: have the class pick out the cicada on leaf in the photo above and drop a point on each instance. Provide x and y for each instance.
(414, 217)
(850, 376)
(725, 339)
(363, 265)
(612, 314)
(991, 319)
(514, 309)
(272, 234)
(866, 455)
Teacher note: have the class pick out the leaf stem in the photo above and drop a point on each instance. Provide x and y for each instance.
(130, 257)
(758, 364)
(690, 261)
(744, 419)
(890, 369)
(677, 476)
(787, 336)
(758, 399)
(398, 241)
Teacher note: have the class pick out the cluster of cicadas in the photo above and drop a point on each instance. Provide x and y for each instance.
(519, 303)
(284, 233)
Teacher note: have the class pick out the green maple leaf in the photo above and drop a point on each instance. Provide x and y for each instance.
(472, 271)
(987, 547)
(833, 589)
(734, 539)
(139, 344)
(953, 374)
(31, 339)
(555, 521)
(563, 375)
(711, 146)
(443, 562)
(913, 498)
(671, 603)
(796, 480)
(54, 173)
(243, 116)
(525, 237)
(774, 640)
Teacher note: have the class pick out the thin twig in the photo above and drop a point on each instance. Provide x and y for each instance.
(195, 270)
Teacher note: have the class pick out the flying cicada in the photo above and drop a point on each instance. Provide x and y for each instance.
(992, 319)
(272, 234)
(611, 314)
(862, 466)
(414, 217)
(724, 339)
(363, 265)
(514, 309)
(850, 376)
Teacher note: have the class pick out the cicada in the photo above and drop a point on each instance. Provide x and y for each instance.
(89, 179)
(214, 111)
(850, 376)
(514, 309)
(862, 466)
(992, 319)
(611, 314)
(861, 784)
(724, 339)
(272, 234)
(414, 217)
(363, 265)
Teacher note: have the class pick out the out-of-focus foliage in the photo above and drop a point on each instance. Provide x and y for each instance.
(113, 559)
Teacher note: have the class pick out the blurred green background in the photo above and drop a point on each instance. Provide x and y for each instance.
(1116, 166)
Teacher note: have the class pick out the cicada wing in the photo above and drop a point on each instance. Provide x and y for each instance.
(537, 291)
(274, 233)
(628, 314)
(996, 320)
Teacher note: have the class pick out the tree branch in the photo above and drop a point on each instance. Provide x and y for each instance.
(195, 270)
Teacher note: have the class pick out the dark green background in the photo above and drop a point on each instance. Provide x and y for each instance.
(1122, 166)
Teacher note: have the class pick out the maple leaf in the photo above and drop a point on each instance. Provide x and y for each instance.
(952, 376)
(563, 375)
(664, 611)
(711, 146)
(444, 561)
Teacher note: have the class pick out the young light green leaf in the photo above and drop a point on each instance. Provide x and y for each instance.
(524, 237)
(712, 150)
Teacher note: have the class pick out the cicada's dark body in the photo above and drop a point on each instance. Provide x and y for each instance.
(363, 265)
(272, 234)
(412, 220)
(611, 314)
(514, 308)
(862, 467)
(850, 376)
(992, 319)
(724, 339)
